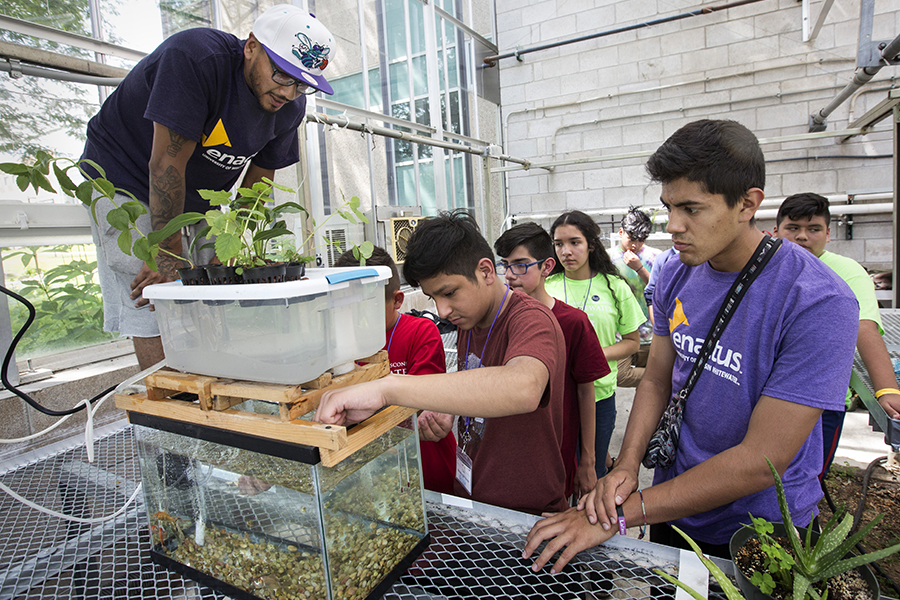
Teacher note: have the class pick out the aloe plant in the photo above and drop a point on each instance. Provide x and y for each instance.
(731, 592)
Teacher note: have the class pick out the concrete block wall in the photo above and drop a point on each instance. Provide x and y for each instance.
(628, 92)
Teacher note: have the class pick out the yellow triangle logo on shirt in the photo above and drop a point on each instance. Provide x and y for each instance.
(678, 316)
(218, 137)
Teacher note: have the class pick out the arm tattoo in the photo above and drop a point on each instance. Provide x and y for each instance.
(176, 141)
(166, 197)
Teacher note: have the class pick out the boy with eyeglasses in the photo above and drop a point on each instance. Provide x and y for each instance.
(192, 115)
(526, 259)
(508, 388)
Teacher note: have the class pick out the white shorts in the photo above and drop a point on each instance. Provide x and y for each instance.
(116, 270)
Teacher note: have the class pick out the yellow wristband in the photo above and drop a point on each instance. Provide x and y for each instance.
(886, 391)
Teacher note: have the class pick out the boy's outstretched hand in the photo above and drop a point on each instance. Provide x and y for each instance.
(568, 531)
(352, 404)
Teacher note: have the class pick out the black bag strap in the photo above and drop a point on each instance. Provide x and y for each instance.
(764, 252)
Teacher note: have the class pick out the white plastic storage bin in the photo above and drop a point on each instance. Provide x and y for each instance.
(287, 332)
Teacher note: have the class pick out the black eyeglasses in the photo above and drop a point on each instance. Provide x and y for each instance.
(516, 268)
(282, 78)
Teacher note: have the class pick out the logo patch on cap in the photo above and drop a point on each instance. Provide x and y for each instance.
(311, 55)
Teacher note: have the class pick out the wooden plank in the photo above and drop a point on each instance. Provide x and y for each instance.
(370, 372)
(155, 393)
(318, 383)
(365, 432)
(331, 437)
(272, 392)
(225, 402)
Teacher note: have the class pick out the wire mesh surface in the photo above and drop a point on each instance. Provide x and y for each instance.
(472, 554)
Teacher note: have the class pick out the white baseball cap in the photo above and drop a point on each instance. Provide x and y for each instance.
(297, 43)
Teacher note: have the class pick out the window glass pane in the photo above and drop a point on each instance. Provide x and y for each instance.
(402, 149)
(395, 24)
(420, 76)
(423, 115)
(459, 174)
(178, 15)
(348, 90)
(406, 186)
(61, 283)
(426, 188)
(454, 112)
(452, 68)
(399, 81)
(416, 27)
(376, 101)
(440, 63)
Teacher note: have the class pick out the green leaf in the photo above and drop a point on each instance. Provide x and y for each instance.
(268, 234)
(676, 582)
(859, 560)
(215, 198)
(63, 179)
(42, 161)
(277, 186)
(228, 246)
(142, 251)
(124, 242)
(791, 532)
(105, 187)
(289, 207)
(134, 209)
(95, 166)
(23, 181)
(731, 592)
(173, 226)
(118, 218)
(85, 193)
(14, 168)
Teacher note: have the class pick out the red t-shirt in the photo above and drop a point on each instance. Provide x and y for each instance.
(414, 348)
(585, 362)
(517, 460)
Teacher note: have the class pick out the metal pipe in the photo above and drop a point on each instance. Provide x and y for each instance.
(492, 60)
(59, 75)
(860, 78)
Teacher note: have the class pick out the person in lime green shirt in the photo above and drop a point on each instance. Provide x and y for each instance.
(586, 278)
(804, 219)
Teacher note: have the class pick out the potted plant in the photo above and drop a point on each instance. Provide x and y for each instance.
(243, 224)
(798, 565)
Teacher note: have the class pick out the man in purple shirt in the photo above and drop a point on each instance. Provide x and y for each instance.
(772, 372)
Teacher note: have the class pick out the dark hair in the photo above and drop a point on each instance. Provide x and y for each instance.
(379, 258)
(636, 223)
(531, 235)
(803, 206)
(448, 244)
(724, 157)
(598, 259)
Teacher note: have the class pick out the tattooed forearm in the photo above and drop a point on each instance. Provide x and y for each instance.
(176, 141)
(166, 197)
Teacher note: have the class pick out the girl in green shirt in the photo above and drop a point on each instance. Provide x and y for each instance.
(586, 278)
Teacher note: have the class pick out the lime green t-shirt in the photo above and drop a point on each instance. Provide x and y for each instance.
(610, 315)
(859, 281)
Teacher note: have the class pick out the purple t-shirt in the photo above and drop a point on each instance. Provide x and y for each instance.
(193, 83)
(792, 338)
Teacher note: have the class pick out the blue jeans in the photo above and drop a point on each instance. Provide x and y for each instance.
(606, 422)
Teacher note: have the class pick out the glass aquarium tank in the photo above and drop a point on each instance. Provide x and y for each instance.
(255, 517)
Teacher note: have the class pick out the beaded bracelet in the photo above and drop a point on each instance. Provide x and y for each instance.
(886, 391)
(644, 512)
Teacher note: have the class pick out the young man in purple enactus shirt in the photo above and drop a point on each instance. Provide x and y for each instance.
(784, 357)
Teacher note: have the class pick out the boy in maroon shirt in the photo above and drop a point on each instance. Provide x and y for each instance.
(527, 258)
(414, 347)
(509, 387)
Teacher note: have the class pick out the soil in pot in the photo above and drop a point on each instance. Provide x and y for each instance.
(266, 274)
(194, 276)
(223, 275)
(846, 586)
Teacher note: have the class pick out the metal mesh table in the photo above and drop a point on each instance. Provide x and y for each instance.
(475, 550)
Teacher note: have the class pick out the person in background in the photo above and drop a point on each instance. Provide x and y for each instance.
(783, 358)
(805, 220)
(414, 347)
(634, 259)
(194, 114)
(511, 378)
(586, 278)
(526, 259)
(658, 264)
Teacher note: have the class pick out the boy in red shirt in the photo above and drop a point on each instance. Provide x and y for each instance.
(527, 258)
(414, 347)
